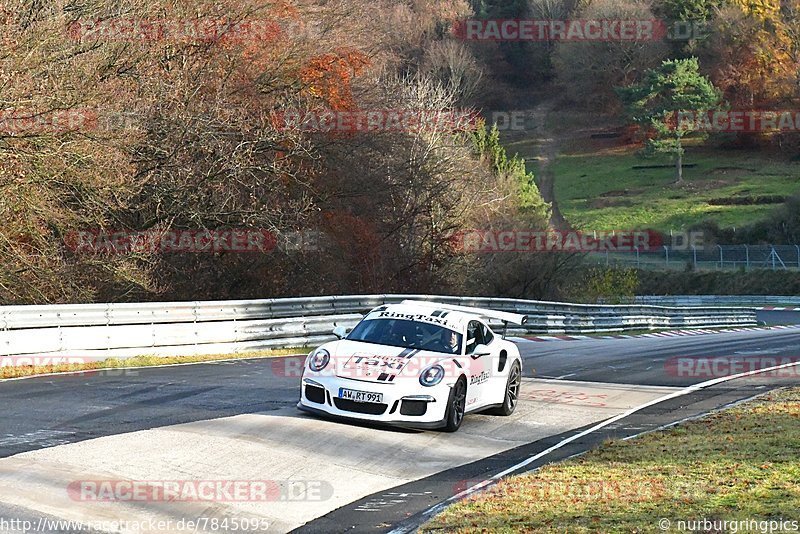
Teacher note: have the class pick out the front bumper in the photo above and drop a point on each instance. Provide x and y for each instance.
(402, 405)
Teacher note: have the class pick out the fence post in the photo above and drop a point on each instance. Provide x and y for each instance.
(747, 258)
(60, 334)
(721, 261)
(666, 252)
(195, 305)
(109, 309)
(694, 256)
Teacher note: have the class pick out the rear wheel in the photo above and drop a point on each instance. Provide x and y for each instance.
(512, 392)
(456, 405)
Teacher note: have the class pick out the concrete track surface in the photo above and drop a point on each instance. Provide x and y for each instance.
(236, 421)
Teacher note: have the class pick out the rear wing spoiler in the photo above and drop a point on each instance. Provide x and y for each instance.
(505, 317)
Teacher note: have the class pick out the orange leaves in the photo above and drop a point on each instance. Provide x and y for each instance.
(285, 9)
(329, 77)
(756, 53)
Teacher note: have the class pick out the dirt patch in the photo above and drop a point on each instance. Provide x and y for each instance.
(747, 201)
(704, 185)
(731, 171)
(622, 193)
(617, 202)
(596, 147)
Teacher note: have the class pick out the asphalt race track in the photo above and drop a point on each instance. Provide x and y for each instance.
(778, 316)
(238, 421)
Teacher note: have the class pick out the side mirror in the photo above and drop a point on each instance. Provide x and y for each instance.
(480, 350)
(340, 332)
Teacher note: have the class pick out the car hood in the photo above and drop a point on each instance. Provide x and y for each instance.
(382, 363)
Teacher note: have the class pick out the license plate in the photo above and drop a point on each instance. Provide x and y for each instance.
(360, 396)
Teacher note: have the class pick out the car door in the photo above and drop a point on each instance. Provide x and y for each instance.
(495, 387)
(480, 365)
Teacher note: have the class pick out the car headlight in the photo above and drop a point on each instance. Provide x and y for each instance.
(432, 375)
(318, 360)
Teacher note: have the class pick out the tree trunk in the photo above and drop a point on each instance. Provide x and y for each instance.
(679, 168)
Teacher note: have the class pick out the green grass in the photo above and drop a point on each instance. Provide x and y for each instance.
(601, 190)
(137, 361)
(742, 463)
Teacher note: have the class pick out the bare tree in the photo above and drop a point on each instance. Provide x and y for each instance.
(589, 70)
(455, 67)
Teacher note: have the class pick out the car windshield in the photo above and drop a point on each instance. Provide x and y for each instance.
(410, 334)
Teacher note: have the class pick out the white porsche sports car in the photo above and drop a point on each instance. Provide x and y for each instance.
(415, 364)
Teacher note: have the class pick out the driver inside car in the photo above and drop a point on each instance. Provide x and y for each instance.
(472, 338)
(448, 341)
(402, 334)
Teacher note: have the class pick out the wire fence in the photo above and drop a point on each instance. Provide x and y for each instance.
(743, 257)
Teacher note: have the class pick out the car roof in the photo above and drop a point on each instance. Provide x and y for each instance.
(454, 320)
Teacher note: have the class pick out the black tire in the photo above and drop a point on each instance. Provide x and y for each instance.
(512, 392)
(456, 405)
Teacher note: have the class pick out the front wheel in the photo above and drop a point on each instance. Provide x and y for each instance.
(456, 405)
(512, 392)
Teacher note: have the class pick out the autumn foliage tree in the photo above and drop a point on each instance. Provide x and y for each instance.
(181, 134)
(752, 54)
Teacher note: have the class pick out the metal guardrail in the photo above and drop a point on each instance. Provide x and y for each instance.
(754, 301)
(188, 328)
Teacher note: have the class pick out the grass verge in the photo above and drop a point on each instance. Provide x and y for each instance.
(738, 464)
(17, 371)
(603, 191)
